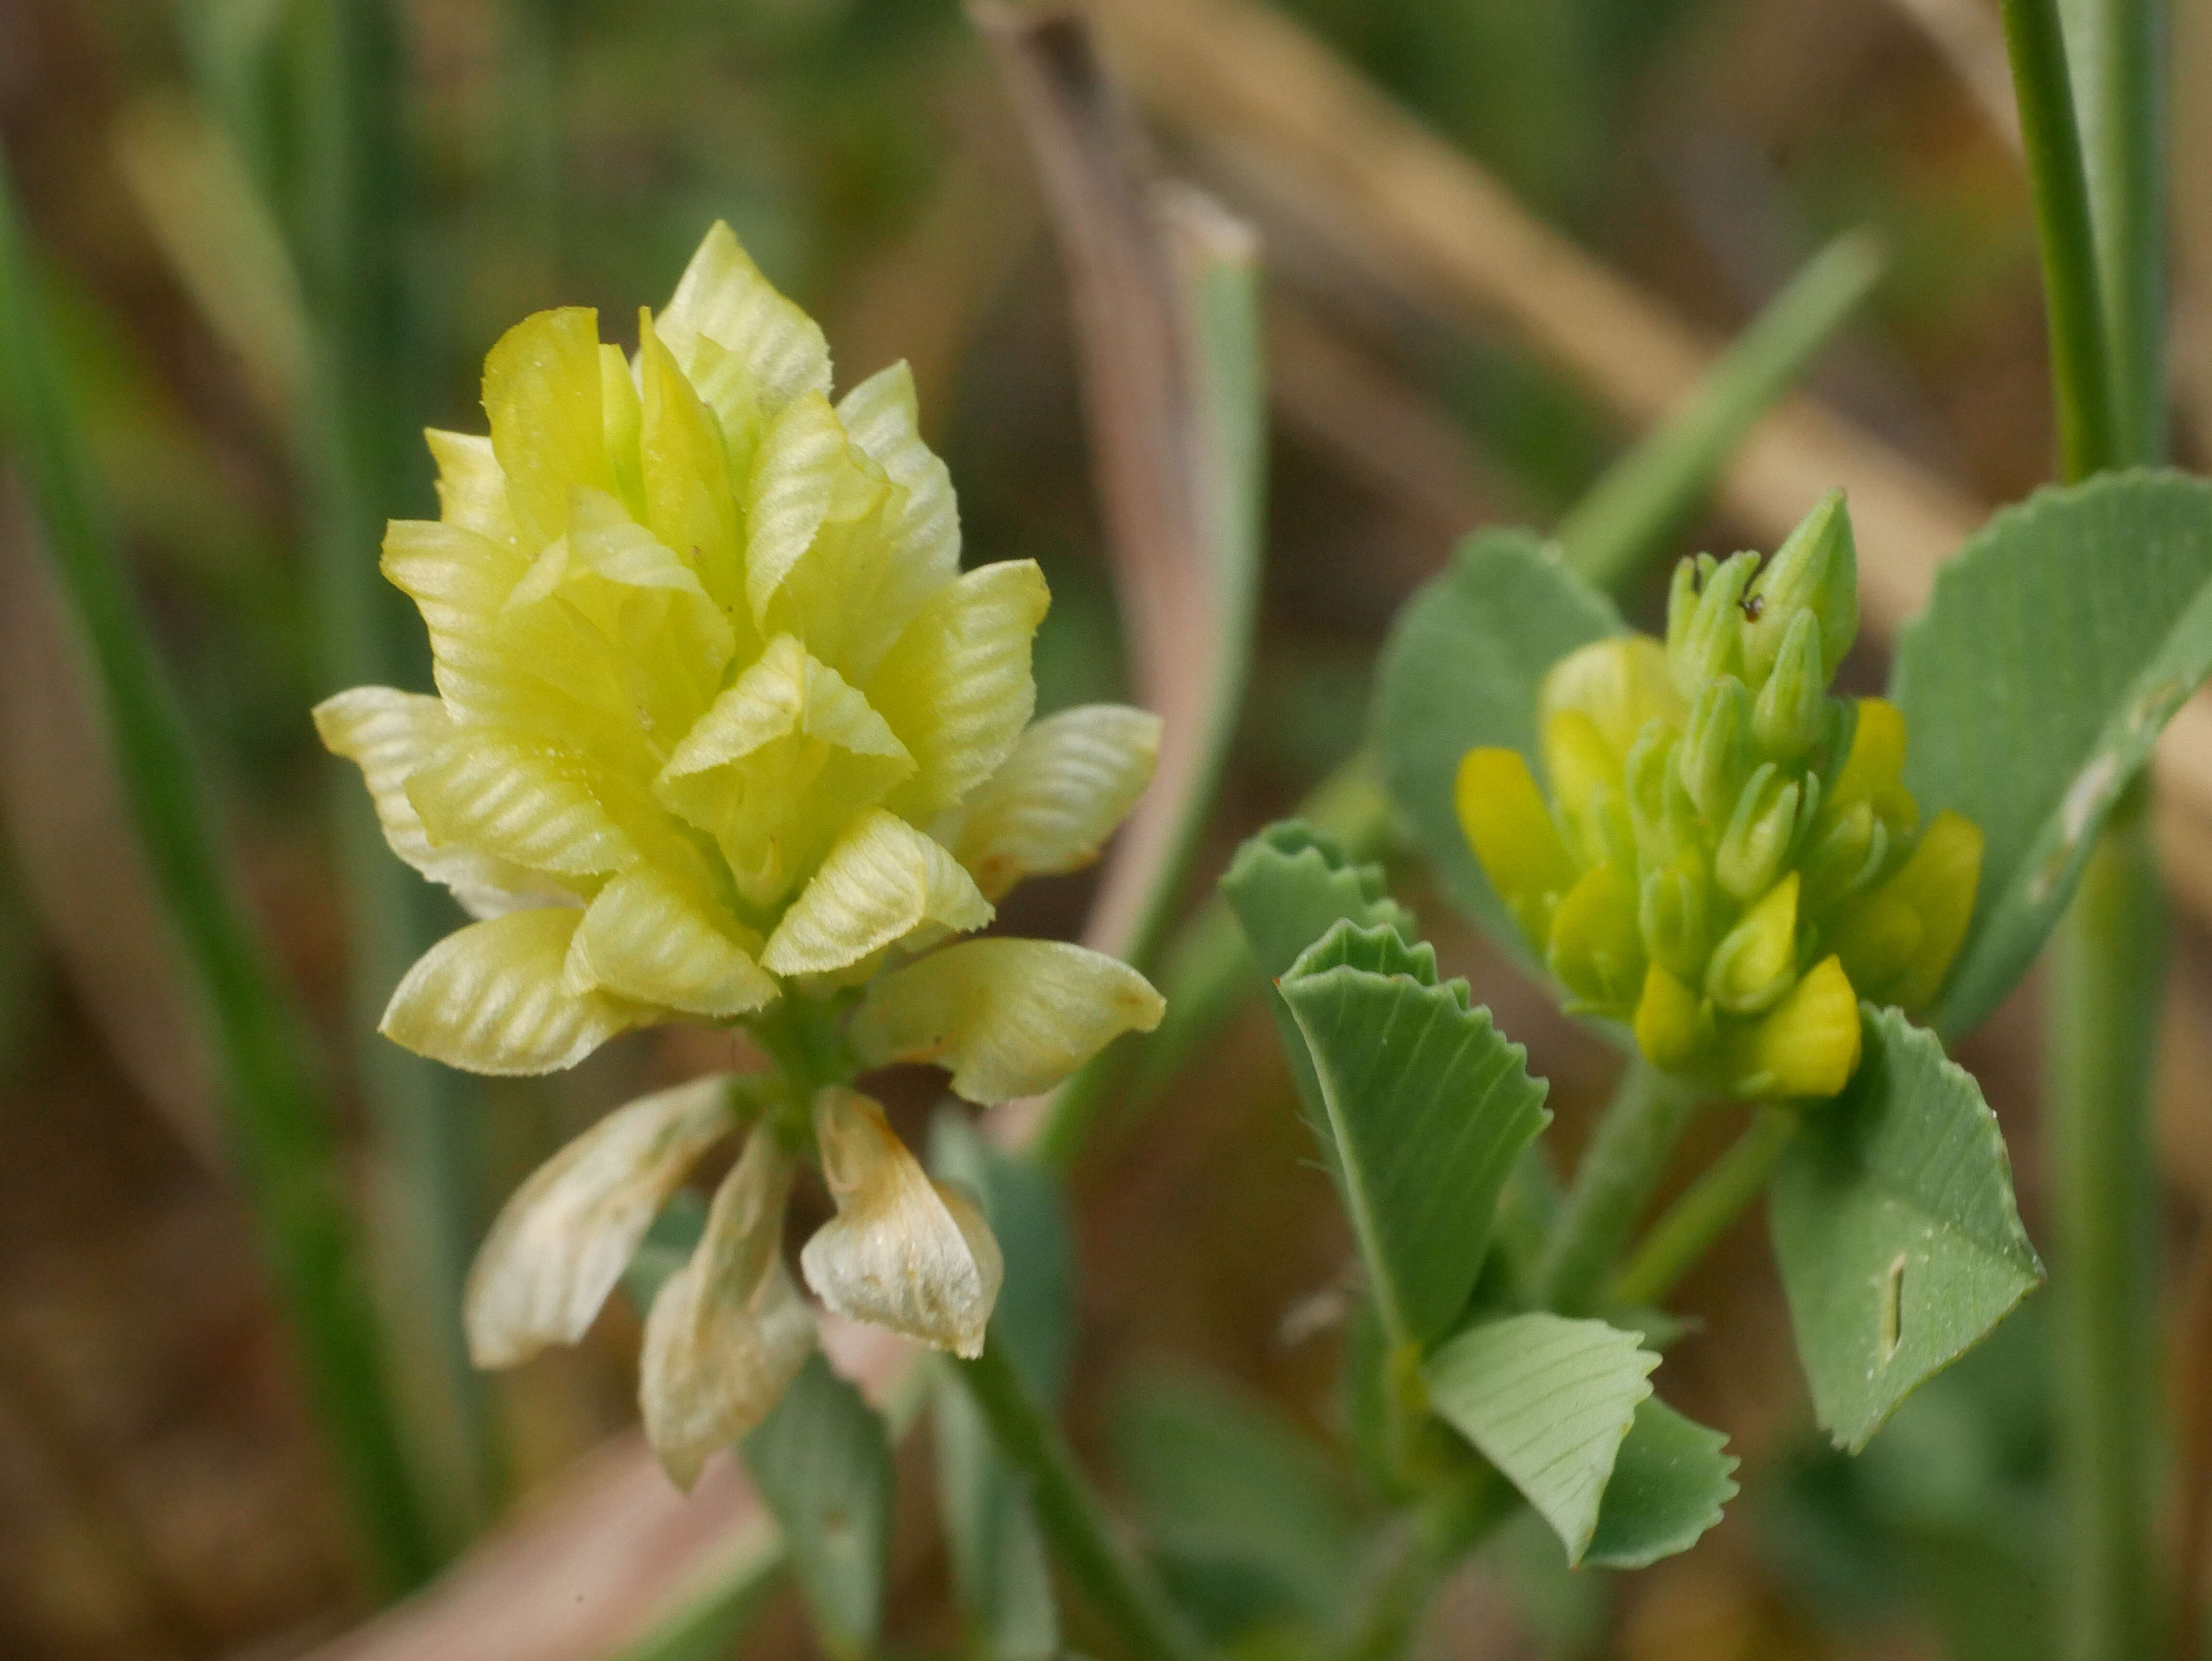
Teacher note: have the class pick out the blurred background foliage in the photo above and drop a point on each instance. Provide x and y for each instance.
(161, 1492)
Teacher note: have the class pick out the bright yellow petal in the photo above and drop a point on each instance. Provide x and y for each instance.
(1756, 961)
(647, 937)
(957, 688)
(516, 798)
(764, 340)
(389, 735)
(1874, 771)
(728, 1331)
(1597, 948)
(780, 766)
(1808, 1045)
(542, 390)
(883, 882)
(492, 999)
(1671, 1029)
(1072, 777)
(1619, 683)
(1007, 1018)
(562, 1243)
(902, 1253)
(1900, 940)
(472, 489)
(1505, 821)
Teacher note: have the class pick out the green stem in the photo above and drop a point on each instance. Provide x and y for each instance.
(2102, 1010)
(1120, 1586)
(278, 1123)
(1685, 1230)
(1614, 1183)
(2080, 362)
(1437, 1540)
(1628, 514)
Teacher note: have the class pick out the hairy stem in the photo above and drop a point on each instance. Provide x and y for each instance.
(1612, 1185)
(1118, 1585)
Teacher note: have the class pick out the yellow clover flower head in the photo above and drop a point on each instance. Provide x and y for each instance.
(1728, 858)
(723, 732)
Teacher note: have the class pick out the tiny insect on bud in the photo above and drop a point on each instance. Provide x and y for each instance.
(1712, 643)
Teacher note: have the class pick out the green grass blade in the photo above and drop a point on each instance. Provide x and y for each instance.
(1628, 514)
(279, 1125)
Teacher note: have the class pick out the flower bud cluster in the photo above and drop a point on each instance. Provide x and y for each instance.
(1728, 858)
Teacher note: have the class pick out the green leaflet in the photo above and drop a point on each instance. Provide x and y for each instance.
(1669, 1485)
(1429, 1107)
(1549, 1401)
(822, 1461)
(1286, 886)
(1252, 1522)
(2057, 644)
(1894, 1223)
(1381, 1029)
(1461, 669)
(1000, 1569)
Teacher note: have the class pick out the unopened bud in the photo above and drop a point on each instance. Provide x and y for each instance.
(1791, 714)
(1597, 951)
(1661, 815)
(1711, 642)
(1671, 1026)
(1807, 1046)
(1757, 962)
(1815, 570)
(1847, 858)
(1760, 833)
(1714, 758)
(1674, 910)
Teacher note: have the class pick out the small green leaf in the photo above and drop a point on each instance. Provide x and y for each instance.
(1286, 886)
(1461, 670)
(2055, 647)
(1894, 1226)
(1549, 1401)
(1429, 1107)
(999, 1568)
(1252, 1523)
(822, 1463)
(1669, 1485)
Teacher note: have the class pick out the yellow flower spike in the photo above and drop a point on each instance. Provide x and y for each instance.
(562, 1241)
(1597, 948)
(1756, 961)
(1619, 683)
(1671, 1028)
(1051, 806)
(1507, 824)
(1934, 889)
(728, 1331)
(1006, 1017)
(902, 1253)
(493, 998)
(1808, 1045)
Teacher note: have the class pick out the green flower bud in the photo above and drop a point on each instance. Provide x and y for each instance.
(1714, 758)
(1816, 570)
(1756, 961)
(1847, 858)
(1660, 816)
(1758, 839)
(1791, 714)
(1711, 641)
(1688, 581)
(1674, 912)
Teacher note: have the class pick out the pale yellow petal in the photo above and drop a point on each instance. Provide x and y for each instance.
(492, 999)
(621, 418)
(690, 501)
(728, 1331)
(1072, 777)
(902, 1253)
(542, 390)
(459, 581)
(389, 735)
(780, 766)
(956, 687)
(882, 882)
(882, 417)
(472, 489)
(766, 339)
(807, 475)
(646, 937)
(1007, 1018)
(562, 1243)
(519, 799)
